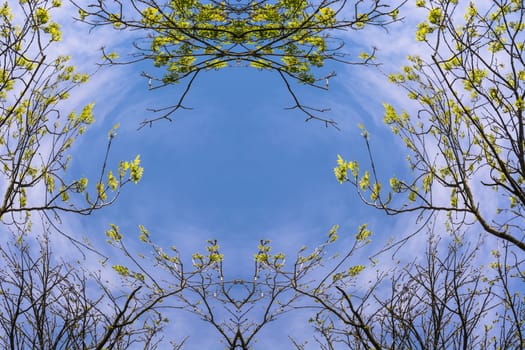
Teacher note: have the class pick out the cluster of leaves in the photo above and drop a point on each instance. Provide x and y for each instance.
(469, 134)
(185, 37)
(46, 303)
(35, 134)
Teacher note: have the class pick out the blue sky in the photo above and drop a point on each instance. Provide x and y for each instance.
(239, 167)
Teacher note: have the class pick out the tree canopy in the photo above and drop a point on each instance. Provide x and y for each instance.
(467, 137)
(292, 37)
(36, 134)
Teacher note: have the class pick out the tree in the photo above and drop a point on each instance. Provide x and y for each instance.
(35, 133)
(291, 37)
(51, 304)
(236, 309)
(467, 143)
(446, 300)
(44, 303)
(468, 139)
